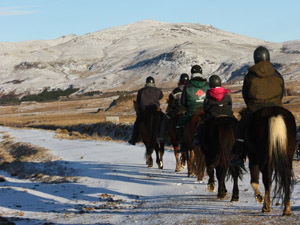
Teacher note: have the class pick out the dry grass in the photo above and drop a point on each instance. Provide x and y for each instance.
(92, 110)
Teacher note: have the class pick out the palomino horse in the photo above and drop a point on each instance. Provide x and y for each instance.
(217, 137)
(194, 169)
(149, 127)
(270, 142)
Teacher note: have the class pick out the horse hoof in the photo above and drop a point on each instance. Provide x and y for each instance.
(286, 213)
(234, 199)
(177, 169)
(264, 210)
(259, 198)
(211, 187)
(221, 195)
(160, 165)
(191, 175)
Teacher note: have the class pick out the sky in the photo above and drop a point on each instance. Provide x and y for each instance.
(269, 20)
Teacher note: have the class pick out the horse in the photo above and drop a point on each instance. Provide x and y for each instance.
(270, 143)
(171, 130)
(217, 137)
(149, 127)
(188, 137)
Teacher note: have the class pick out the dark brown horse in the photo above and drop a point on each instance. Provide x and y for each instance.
(171, 129)
(270, 143)
(217, 138)
(194, 169)
(149, 127)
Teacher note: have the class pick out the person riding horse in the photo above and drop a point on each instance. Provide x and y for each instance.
(192, 99)
(218, 102)
(263, 86)
(147, 98)
(174, 107)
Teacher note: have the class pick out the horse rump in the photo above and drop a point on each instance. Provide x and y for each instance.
(271, 142)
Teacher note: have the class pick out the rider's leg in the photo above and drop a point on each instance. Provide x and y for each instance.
(135, 133)
(180, 127)
(239, 150)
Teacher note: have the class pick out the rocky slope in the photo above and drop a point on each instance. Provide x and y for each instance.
(120, 58)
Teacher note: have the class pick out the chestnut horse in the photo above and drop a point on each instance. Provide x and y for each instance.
(217, 137)
(270, 143)
(194, 168)
(171, 130)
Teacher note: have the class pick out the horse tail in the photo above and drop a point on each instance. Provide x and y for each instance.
(278, 159)
(226, 139)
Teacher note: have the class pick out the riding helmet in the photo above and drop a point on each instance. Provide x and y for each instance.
(196, 69)
(214, 81)
(184, 78)
(150, 80)
(261, 54)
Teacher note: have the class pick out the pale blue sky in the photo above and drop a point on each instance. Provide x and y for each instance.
(270, 20)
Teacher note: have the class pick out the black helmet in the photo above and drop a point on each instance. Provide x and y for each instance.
(196, 69)
(183, 78)
(214, 81)
(261, 54)
(150, 80)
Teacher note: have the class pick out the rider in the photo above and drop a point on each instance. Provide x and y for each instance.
(174, 107)
(147, 98)
(263, 87)
(192, 99)
(218, 99)
(218, 102)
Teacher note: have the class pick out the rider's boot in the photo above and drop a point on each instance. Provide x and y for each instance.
(135, 134)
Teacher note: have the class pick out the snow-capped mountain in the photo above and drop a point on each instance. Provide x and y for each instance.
(120, 58)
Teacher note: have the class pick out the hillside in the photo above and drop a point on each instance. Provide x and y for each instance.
(120, 58)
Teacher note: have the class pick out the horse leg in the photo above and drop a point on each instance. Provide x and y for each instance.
(149, 160)
(191, 160)
(159, 155)
(183, 160)
(221, 173)
(267, 183)
(287, 209)
(235, 190)
(211, 180)
(200, 164)
(254, 171)
(177, 157)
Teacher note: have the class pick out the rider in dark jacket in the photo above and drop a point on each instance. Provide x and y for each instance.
(263, 87)
(147, 98)
(174, 107)
(218, 102)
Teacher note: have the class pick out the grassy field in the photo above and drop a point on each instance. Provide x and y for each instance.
(90, 110)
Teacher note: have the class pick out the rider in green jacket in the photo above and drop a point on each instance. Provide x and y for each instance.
(192, 99)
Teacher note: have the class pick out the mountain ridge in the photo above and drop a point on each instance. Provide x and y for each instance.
(120, 58)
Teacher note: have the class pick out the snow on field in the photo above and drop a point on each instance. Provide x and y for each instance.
(114, 186)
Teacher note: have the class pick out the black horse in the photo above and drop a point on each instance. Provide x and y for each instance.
(270, 143)
(217, 138)
(149, 128)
